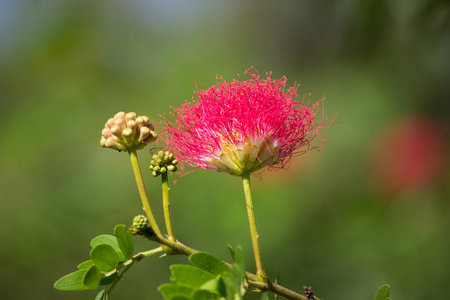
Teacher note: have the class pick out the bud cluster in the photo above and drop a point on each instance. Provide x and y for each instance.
(140, 222)
(127, 131)
(163, 162)
(141, 226)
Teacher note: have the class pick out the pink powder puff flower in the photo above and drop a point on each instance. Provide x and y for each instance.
(242, 126)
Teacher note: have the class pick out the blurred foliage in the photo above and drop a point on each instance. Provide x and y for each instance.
(67, 66)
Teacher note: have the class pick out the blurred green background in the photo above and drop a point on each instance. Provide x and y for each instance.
(371, 207)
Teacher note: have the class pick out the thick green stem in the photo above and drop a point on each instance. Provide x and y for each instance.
(276, 289)
(166, 205)
(142, 193)
(261, 275)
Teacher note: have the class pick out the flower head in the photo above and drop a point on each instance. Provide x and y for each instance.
(242, 126)
(127, 131)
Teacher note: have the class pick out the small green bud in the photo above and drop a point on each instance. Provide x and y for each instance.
(163, 162)
(140, 223)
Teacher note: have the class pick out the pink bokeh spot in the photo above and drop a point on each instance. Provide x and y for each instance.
(243, 125)
(409, 155)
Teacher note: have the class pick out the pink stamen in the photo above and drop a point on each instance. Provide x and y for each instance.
(230, 112)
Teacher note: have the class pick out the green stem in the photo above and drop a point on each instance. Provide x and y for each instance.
(261, 275)
(142, 193)
(166, 205)
(276, 289)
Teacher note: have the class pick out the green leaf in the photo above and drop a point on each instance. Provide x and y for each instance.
(203, 295)
(239, 257)
(104, 257)
(230, 288)
(110, 240)
(170, 291)
(382, 292)
(265, 296)
(108, 280)
(72, 282)
(79, 280)
(209, 263)
(240, 282)
(221, 288)
(102, 295)
(190, 276)
(236, 284)
(85, 265)
(92, 278)
(105, 239)
(125, 241)
(215, 285)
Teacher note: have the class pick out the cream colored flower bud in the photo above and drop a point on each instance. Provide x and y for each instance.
(106, 132)
(126, 132)
(140, 121)
(130, 116)
(110, 123)
(144, 132)
(120, 123)
(132, 125)
(119, 115)
(112, 143)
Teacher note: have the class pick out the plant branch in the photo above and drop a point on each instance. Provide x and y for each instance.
(166, 205)
(276, 289)
(142, 193)
(260, 273)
